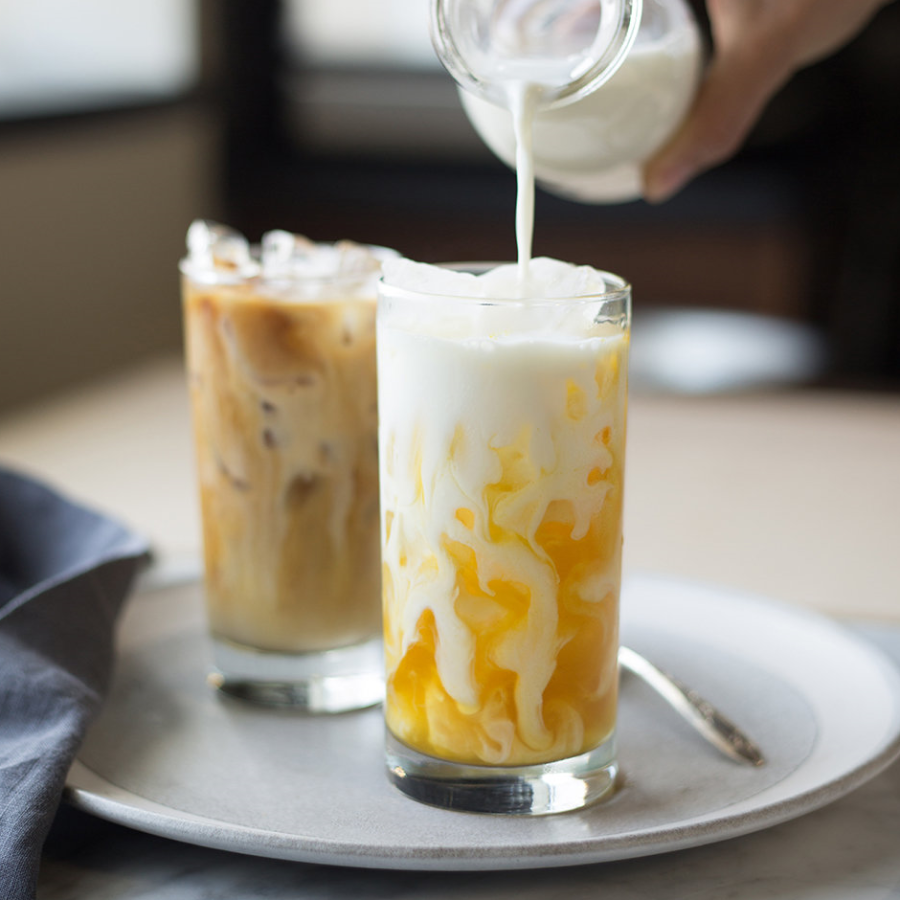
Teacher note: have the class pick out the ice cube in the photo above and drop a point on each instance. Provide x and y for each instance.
(359, 259)
(552, 278)
(295, 257)
(501, 283)
(216, 251)
(286, 255)
(427, 279)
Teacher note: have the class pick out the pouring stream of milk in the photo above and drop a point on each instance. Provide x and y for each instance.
(522, 98)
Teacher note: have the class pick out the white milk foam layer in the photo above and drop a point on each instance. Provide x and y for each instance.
(549, 279)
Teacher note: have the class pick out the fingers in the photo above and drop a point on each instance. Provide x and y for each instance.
(759, 44)
(737, 87)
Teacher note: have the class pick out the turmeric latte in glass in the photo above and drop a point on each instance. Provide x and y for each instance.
(280, 346)
(502, 442)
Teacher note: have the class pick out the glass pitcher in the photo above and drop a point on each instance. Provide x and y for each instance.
(614, 79)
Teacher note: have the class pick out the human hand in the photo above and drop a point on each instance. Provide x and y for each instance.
(757, 46)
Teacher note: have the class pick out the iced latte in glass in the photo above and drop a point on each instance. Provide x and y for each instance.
(280, 346)
(502, 444)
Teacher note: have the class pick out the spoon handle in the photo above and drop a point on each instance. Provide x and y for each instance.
(720, 731)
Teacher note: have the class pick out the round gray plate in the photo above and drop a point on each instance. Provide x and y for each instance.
(171, 757)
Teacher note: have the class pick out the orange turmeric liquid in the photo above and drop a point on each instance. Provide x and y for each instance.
(571, 605)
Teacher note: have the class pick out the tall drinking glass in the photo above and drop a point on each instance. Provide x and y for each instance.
(280, 347)
(502, 444)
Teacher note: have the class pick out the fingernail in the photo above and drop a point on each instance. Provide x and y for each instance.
(661, 185)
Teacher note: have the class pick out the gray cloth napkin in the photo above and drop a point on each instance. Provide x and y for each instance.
(64, 571)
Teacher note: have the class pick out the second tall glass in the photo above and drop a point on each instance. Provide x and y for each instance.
(281, 360)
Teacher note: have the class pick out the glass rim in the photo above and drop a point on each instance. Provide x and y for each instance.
(602, 69)
(254, 272)
(281, 284)
(619, 290)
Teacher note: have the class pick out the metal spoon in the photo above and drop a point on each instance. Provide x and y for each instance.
(720, 731)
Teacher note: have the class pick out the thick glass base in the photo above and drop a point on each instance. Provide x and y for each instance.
(541, 789)
(331, 681)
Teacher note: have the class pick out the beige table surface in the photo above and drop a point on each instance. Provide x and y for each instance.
(791, 494)
(794, 495)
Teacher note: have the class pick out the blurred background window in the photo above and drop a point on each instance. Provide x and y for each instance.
(62, 56)
(361, 76)
(360, 32)
(108, 149)
(334, 118)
